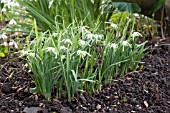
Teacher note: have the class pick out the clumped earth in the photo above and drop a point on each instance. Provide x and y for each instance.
(141, 91)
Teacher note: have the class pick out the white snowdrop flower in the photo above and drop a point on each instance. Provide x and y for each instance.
(136, 15)
(24, 53)
(5, 44)
(83, 28)
(29, 71)
(15, 4)
(12, 22)
(98, 36)
(31, 54)
(82, 42)
(82, 54)
(125, 43)
(89, 36)
(51, 49)
(3, 36)
(50, 3)
(92, 1)
(63, 48)
(156, 45)
(26, 65)
(104, 42)
(17, 13)
(13, 43)
(5, 1)
(3, 10)
(114, 25)
(68, 42)
(63, 57)
(136, 34)
(114, 46)
(55, 34)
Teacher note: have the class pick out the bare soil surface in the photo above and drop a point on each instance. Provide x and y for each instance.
(141, 91)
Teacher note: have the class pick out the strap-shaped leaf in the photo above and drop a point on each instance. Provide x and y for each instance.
(124, 6)
(157, 6)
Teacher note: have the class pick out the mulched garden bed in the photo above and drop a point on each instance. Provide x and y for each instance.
(141, 91)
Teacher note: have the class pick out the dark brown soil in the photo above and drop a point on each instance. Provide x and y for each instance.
(141, 91)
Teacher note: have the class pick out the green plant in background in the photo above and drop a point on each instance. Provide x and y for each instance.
(124, 6)
(143, 24)
(4, 50)
(46, 12)
(13, 17)
(157, 6)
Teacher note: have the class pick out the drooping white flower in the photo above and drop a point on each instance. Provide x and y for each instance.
(24, 53)
(55, 34)
(63, 57)
(89, 36)
(31, 54)
(3, 36)
(3, 10)
(50, 4)
(98, 36)
(68, 42)
(136, 34)
(83, 29)
(114, 25)
(136, 15)
(92, 1)
(63, 48)
(51, 49)
(12, 22)
(82, 42)
(17, 13)
(114, 46)
(13, 43)
(5, 1)
(5, 44)
(14, 4)
(82, 54)
(126, 43)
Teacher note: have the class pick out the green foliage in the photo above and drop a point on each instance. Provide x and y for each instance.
(4, 51)
(76, 52)
(48, 12)
(145, 25)
(79, 58)
(124, 6)
(157, 6)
